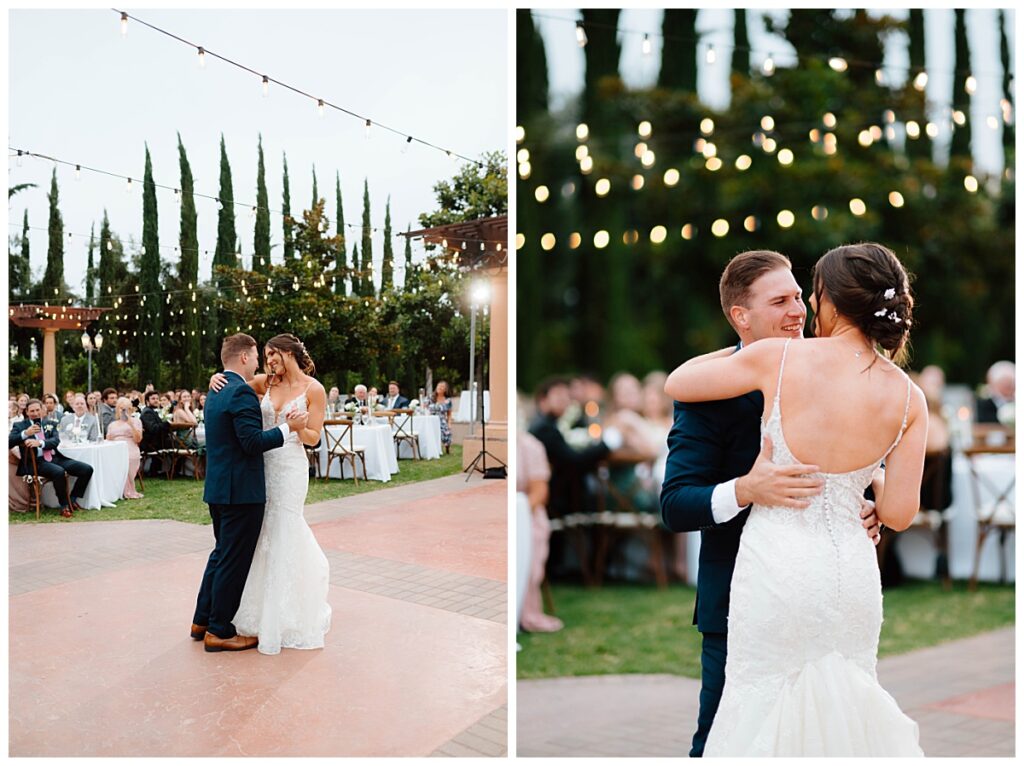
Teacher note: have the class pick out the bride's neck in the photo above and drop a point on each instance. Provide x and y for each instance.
(290, 378)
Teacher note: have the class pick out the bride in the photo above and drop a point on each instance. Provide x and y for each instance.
(806, 599)
(284, 602)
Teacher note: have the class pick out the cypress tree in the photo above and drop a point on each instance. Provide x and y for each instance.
(188, 271)
(150, 307)
(408, 254)
(919, 147)
(357, 281)
(286, 206)
(961, 144)
(367, 264)
(341, 266)
(679, 51)
(1004, 57)
(261, 235)
(53, 277)
(531, 68)
(26, 261)
(224, 254)
(90, 271)
(19, 271)
(601, 56)
(741, 44)
(387, 267)
(316, 194)
(106, 361)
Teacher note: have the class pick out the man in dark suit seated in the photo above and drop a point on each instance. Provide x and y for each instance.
(155, 432)
(1001, 381)
(42, 436)
(716, 469)
(359, 397)
(394, 400)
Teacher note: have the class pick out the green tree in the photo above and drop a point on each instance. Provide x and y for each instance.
(920, 147)
(316, 194)
(111, 277)
(961, 144)
(408, 256)
(601, 60)
(367, 264)
(288, 222)
(341, 264)
(261, 235)
(1004, 57)
(531, 68)
(150, 338)
(90, 271)
(387, 268)
(224, 256)
(19, 274)
(357, 284)
(54, 288)
(741, 43)
(188, 271)
(679, 51)
(474, 193)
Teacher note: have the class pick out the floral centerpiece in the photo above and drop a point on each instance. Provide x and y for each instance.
(1007, 414)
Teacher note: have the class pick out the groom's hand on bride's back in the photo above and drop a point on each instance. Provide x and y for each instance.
(775, 486)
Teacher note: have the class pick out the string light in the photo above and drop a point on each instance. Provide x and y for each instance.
(920, 81)
(707, 126)
(581, 34)
(124, 25)
(320, 107)
(710, 56)
(266, 86)
(838, 63)
(582, 131)
(202, 57)
(644, 129)
(541, 193)
(602, 187)
(768, 67)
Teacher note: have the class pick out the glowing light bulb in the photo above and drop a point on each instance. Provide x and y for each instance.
(645, 46)
(266, 86)
(320, 107)
(581, 34)
(710, 57)
(368, 126)
(768, 67)
(838, 63)
(124, 25)
(202, 57)
(921, 81)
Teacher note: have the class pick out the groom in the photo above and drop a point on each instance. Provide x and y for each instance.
(716, 468)
(235, 491)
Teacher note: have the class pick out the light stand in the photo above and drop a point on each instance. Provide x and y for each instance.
(90, 345)
(480, 461)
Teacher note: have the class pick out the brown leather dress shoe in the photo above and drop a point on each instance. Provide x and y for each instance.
(198, 631)
(236, 643)
(66, 512)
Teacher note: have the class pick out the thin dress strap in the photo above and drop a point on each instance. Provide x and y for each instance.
(778, 387)
(903, 426)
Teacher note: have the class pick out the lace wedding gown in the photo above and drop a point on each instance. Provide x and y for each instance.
(284, 602)
(804, 618)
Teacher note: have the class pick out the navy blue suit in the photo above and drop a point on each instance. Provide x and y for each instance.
(236, 493)
(710, 443)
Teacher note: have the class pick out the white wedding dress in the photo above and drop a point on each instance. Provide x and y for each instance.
(284, 602)
(804, 619)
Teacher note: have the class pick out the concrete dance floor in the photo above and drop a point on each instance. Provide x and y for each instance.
(101, 663)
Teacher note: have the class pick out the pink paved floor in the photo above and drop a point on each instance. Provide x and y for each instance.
(101, 663)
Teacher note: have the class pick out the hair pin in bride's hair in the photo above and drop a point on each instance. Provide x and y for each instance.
(880, 313)
(895, 318)
(890, 293)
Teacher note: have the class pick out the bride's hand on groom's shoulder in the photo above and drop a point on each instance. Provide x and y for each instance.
(217, 381)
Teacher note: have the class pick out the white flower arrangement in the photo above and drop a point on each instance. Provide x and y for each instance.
(1007, 414)
(414, 404)
(351, 407)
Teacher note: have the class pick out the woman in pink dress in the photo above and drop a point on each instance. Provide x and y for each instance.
(127, 429)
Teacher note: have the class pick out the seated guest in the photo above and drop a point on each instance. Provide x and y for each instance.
(333, 400)
(195, 399)
(394, 400)
(532, 476)
(106, 408)
(1001, 381)
(51, 407)
(69, 395)
(22, 403)
(183, 416)
(13, 412)
(166, 400)
(442, 407)
(92, 400)
(79, 424)
(359, 397)
(372, 394)
(568, 466)
(129, 430)
(202, 403)
(43, 437)
(932, 382)
(154, 429)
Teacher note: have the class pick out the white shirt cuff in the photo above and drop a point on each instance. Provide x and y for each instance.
(723, 502)
(284, 429)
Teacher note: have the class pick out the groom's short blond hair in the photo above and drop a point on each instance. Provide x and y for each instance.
(234, 346)
(742, 271)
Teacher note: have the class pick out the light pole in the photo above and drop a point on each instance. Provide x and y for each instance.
(479, 292)
(90, 345)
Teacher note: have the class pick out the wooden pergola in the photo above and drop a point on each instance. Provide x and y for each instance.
(52, 319)
(482, 247)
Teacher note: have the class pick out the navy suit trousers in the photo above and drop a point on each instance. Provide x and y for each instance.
(712, 681)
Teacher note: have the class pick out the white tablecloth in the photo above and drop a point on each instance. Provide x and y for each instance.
(428, 430)
(381, 460)
(916, 547)
(109, 461)
(466, 404)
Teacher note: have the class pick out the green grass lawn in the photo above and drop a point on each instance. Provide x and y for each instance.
(182, 499)
(639, 629)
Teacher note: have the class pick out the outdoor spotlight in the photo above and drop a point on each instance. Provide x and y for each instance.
(480, 292)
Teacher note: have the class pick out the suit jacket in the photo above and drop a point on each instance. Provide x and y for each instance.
(107, 415)
(235, 443)
(90, 427)
(359, 402)
(50, 438)
(710, 443)
(987, 411)
(154, 430)
(401, 402)
(568, 466)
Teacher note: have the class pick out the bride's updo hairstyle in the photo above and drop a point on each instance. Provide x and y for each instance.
(869, 286)
(288, 343)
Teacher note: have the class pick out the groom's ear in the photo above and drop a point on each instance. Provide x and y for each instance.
(740, 321)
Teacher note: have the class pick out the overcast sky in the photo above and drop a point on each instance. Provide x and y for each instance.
(565, 59)
(80, 91)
